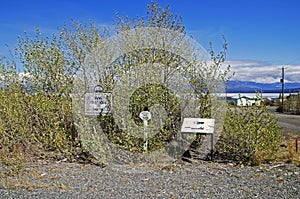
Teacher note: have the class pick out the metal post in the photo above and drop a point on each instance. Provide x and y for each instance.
(145, 116)
(145, 135)
(212, 147)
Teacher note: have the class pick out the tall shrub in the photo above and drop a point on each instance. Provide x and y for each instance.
(251, 135)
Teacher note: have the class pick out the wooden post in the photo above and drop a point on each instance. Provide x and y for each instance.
(296, 142)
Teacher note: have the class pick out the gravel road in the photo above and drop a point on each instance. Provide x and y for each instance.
(289, 121)
(180, 180)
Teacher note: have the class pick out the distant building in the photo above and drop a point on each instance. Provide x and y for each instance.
(244, 100)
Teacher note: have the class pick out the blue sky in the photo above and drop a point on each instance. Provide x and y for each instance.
(263, 35)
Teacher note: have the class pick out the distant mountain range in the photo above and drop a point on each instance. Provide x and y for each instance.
(252, 87)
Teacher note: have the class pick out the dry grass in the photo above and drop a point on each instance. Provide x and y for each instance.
(23, 184)
(288, 151)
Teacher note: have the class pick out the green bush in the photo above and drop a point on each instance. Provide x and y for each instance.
(251, 135)
(145, 97)
(292, 103)
(35, 122)
(36, 110)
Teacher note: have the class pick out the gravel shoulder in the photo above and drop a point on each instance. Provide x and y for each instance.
(179, 180)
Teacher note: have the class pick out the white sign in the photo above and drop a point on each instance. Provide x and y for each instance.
(97, 103)
(198, 125)
(145, 115)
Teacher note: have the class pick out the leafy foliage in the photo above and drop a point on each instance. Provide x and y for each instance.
(36, 112)
(142, 98)
(46, 65)
(36, 108)
(251, 135)
(292, 103)
(157, 16)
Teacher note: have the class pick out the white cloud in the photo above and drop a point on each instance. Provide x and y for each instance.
(248, 70)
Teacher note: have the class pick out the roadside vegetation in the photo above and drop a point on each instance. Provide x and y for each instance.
(251, 135)
(291, 104)
(36, 118)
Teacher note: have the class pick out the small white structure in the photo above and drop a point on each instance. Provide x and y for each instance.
(243, 100)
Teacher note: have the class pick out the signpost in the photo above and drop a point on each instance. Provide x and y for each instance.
(97, 102)
(199, 126)
(145, 116)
